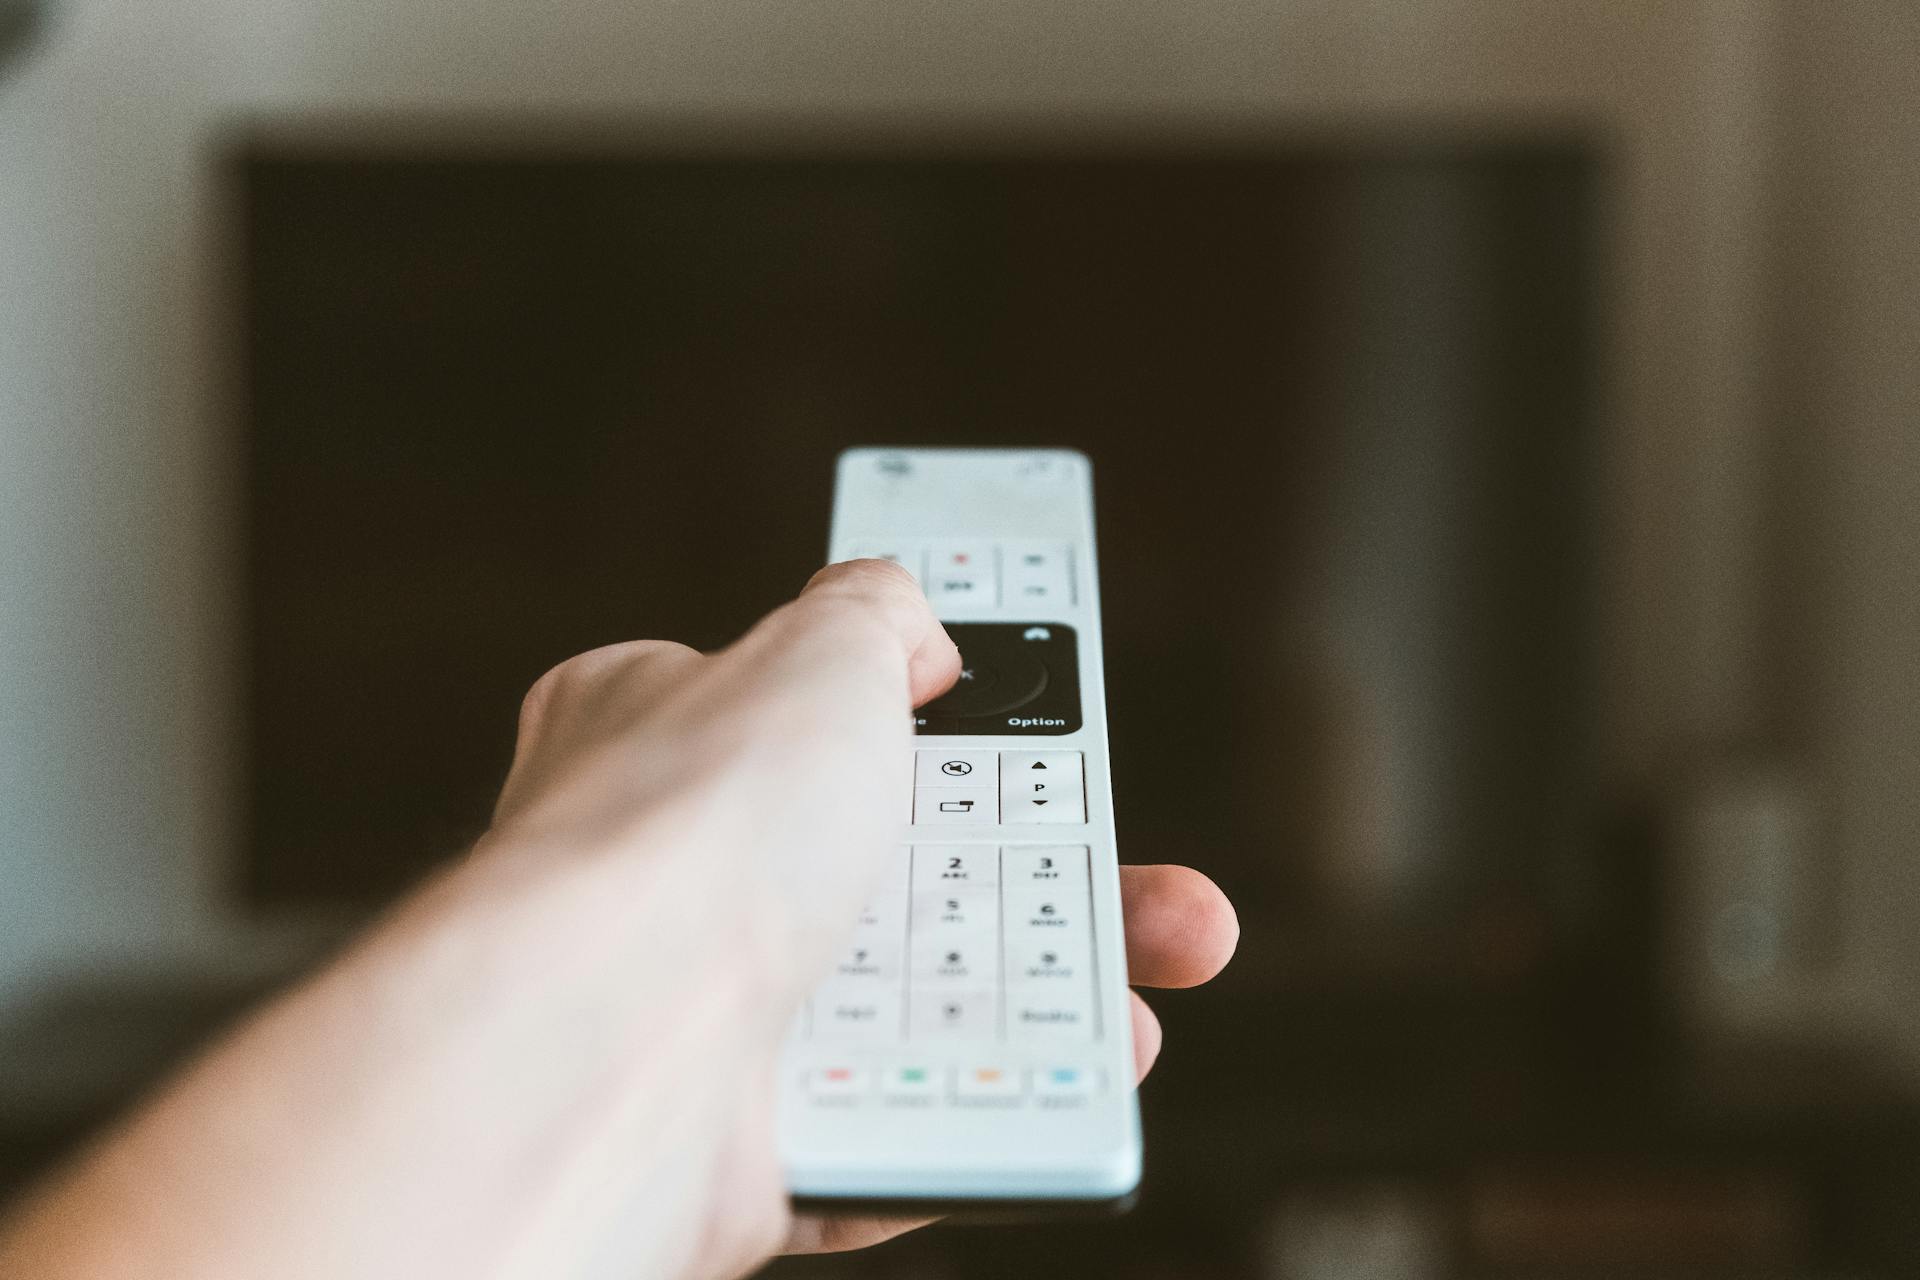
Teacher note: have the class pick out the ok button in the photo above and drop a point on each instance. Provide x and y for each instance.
(956, 769)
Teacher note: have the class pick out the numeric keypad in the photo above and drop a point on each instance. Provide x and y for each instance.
(978, 942)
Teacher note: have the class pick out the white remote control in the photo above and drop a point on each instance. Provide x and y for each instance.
(973, 1046)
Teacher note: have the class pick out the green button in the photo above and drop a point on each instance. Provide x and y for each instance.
(913, 1075)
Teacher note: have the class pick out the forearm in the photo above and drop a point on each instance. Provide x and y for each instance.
(504, 1054)
(554, 1060)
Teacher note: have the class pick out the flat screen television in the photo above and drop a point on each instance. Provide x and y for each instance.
(503, 404)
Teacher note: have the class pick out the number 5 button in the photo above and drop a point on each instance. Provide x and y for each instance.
(1042, 786)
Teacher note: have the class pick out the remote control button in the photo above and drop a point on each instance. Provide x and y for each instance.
(1026, 681)
(1041, 866)
(1036, 557)
(939, 866)
(988, 1084)
(1039, 915)
(955, 962)
(1049, 964)
(1037, 574)
(877, 962)
(857, 1012)
(1017, 724)
(956, 769)
(947, 912)
(956, 1015)
(1067, 1019)
(885, 918)
(915, 1083)
(961, 557)
(1042, 786)
(961, 577)
(1063, 769)
(975, 678)
(961, 595)
(1035, 594)
(912, 559)
(956, 807)
(992, 682)
(1067, 1085)
(839, 1082)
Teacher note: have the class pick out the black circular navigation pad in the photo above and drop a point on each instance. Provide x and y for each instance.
(987, 688)
(1016, 678)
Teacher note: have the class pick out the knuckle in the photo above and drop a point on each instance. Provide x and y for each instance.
(651, 651)
(583, 669)
(541, 693)
(538, 703)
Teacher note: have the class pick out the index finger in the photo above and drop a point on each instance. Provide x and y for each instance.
(888, 592)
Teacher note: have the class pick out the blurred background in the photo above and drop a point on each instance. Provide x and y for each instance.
(1504, 422)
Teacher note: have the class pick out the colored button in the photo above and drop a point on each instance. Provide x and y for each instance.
(988, 1083)
(839, 1082)
(1066, 1083)
(911, 1082)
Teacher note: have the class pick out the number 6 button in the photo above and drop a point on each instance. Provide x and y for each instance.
(1042, 786)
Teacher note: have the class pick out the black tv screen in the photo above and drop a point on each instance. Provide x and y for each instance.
(506, 405)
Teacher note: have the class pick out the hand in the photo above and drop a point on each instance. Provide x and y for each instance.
(557, 1058)
(1180, 929)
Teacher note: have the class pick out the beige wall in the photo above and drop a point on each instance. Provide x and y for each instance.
(1848, 398)
(117, 623)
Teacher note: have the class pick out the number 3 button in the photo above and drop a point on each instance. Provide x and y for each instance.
(1045, 866)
